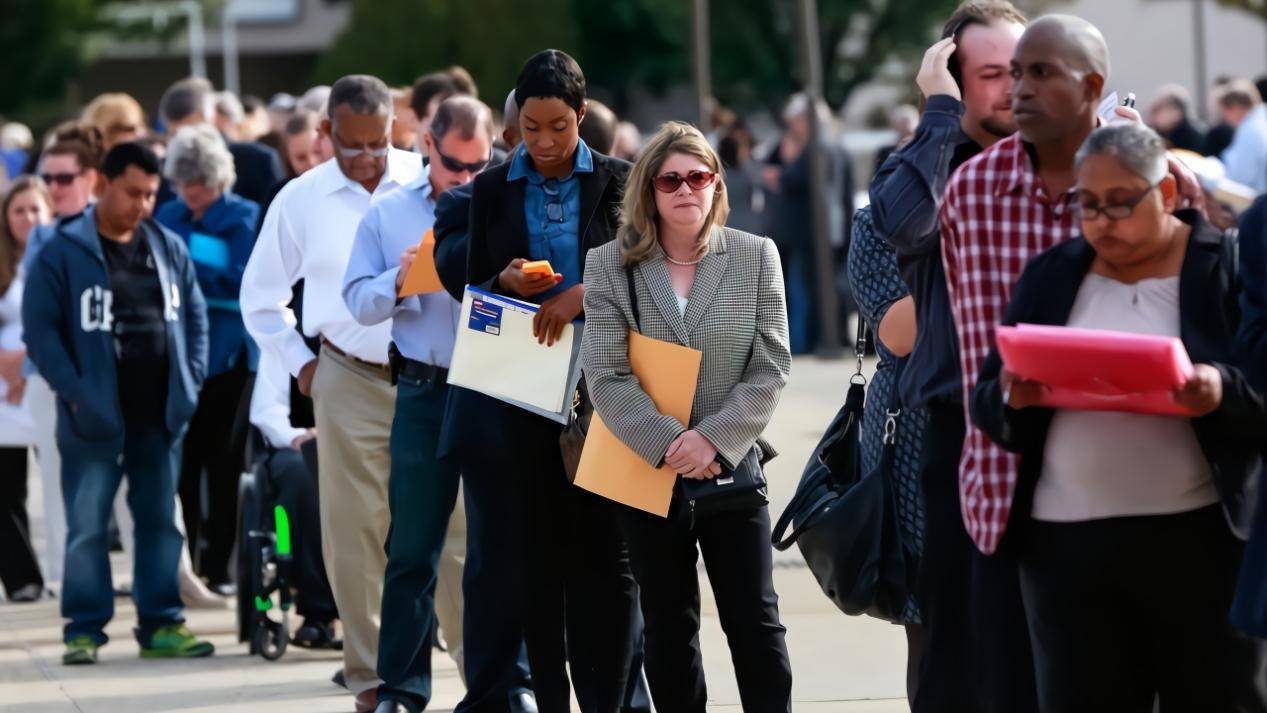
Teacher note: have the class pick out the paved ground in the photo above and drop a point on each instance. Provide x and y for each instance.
(841, 664)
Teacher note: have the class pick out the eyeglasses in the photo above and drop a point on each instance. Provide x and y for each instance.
(455, 165)
(671, 181)
(1120, 211)
(61, 179)
(346, 152)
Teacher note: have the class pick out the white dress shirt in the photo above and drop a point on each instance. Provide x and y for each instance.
(270, 403)
(307, 234)
(424, 327)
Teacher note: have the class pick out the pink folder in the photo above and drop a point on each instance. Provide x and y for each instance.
(1098, 370)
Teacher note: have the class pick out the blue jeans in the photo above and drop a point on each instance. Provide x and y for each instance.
(91, 474)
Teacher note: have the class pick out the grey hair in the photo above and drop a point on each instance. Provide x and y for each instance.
(1136, 146)
(464, 115)
(188, 96)
(314, 100)
(230, 107)
(362, 93)
(198, 153)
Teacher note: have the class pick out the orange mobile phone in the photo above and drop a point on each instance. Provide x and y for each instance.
(539, 267)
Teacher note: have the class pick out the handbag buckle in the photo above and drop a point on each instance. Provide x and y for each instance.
(890, 426)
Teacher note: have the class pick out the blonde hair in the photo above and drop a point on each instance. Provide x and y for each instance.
(639, 232)
(112, 110)
(11, 250)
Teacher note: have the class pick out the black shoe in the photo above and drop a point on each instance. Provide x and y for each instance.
(523, 703)
(338, 679)
(123, 591)
(316, 635)
(29, 593)
(224, 589)
(394, 707)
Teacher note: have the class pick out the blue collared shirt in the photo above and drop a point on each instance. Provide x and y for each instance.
(423, 326)
(552, 210)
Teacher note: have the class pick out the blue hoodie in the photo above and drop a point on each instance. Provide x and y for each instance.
(67, 329)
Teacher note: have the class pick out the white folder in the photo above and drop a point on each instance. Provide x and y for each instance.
(496, 354)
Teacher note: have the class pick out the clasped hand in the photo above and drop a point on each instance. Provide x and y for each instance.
(692, 456)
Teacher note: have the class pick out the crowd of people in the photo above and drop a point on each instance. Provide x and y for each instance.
(226, 293)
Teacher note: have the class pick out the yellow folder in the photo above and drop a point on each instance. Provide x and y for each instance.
(610, 468)
(422, 277)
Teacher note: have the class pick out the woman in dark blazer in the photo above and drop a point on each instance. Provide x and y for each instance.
(719, 291)
(545, 558)
(1129, 554)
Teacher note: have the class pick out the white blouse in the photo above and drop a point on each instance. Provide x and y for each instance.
(16, 426)
(1100, 464)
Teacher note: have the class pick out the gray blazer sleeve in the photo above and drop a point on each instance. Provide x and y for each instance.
(750, 405)
(618, 397)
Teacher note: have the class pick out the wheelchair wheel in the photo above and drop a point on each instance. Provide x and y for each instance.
(250, 556)
(270, 639)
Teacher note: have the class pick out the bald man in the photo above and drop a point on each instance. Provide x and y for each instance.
(1016, 196)
(510, 122)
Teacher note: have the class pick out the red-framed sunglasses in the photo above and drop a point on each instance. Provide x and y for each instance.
(670, 182)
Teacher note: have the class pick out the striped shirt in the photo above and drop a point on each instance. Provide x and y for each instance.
(996, 215)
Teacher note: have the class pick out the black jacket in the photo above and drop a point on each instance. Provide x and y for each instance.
(1230, 437)
(259, 169)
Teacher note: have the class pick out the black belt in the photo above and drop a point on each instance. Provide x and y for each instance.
(421, 371)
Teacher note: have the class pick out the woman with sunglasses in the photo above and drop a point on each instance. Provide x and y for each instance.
(1130, 539)
(718, 290)
(555, 547)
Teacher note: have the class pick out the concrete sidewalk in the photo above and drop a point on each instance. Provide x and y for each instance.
(841, 664)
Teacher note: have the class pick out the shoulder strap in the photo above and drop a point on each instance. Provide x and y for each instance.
(633, 296)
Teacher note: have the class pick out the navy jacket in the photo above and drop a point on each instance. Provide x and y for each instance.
(226, 236)
(1252, 338)
(259, 169)
(1231, 437)
(66, 314)
(905, 195)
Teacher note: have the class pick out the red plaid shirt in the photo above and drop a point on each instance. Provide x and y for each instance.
(996, 215)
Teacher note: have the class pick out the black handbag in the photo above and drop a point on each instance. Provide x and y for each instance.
(844, 520)
(572, 439)
(740, 488)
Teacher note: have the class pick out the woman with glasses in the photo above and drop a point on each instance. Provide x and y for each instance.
(530, 530)
(219, 228)
(676, 274)
(1131, 523)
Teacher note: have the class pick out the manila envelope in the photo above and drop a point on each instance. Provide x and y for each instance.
(608, 467)
(422, 277)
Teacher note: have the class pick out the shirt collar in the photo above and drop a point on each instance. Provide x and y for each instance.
(422, 183)
(1020, 172)
(521, 164)
(332, 179)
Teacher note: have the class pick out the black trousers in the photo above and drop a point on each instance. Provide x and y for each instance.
(546, 567)
(739, 560)
(1126, 611)
(214, 448)
(976, 652)
(296, 488)
(18, 566)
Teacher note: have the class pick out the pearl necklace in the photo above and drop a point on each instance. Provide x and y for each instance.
(683, 263)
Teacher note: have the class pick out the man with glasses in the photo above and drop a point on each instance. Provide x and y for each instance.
(423, 488)
(307, 235)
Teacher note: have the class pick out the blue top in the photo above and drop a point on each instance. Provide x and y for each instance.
(1246, 157)
(552, 210)
(68, 329)
(877, 284)
(219, 243)
(423, 326)
(905, 195)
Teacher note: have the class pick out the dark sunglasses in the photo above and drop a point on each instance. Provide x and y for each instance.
(457, 166)
(670, 182)
(61, 179)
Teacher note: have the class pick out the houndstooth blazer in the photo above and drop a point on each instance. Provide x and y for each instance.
(736, 315)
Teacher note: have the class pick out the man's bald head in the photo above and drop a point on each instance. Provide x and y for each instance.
(1077, 42)
(1059, 70)
(510, 121)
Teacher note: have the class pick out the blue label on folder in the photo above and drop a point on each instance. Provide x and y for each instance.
(485, 317)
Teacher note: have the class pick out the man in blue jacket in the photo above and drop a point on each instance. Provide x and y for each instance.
(117, 325)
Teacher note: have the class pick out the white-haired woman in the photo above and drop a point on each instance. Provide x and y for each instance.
(676, 274)
(1130, 543)
(219, 228)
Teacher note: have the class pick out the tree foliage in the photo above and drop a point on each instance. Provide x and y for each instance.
(1258, 8)
(41, 50)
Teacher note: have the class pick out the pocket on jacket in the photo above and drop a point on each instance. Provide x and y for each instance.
(87, 422)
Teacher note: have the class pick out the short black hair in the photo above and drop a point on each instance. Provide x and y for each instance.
(428, 87)
(551, 74)
(130, 153)
(362, 93)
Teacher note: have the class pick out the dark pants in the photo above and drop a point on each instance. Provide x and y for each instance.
(1127, 610)
(214, 446)
(739, 561)
(421, 495)
(91, 474)
(296, 488)
(18, 566)
(545, 567)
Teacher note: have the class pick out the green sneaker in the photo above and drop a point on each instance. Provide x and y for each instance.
(176, 641)
(80, 650)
